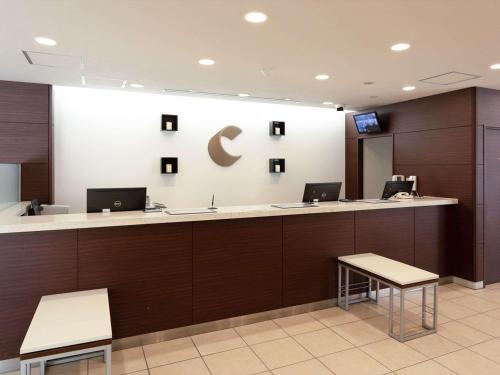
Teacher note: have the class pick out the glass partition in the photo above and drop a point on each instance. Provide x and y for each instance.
(10, 192)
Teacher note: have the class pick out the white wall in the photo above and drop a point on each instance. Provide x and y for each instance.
(377, 165)
(9, 185)
(105, 138)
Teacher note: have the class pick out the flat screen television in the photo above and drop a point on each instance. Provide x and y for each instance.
(367, 123)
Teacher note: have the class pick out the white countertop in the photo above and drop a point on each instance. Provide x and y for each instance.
(69, 319)
(400, 273)
(13, 223)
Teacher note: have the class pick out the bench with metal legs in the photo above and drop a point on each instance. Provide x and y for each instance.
(396, 275)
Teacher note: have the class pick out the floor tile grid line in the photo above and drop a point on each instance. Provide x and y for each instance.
(203, 359)
(481, 355)
(260, 342)
(145, 359)
(302, 346)
(253, 351)
(467, 348)
(477, 329)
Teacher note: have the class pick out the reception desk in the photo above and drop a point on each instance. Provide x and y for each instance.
(165, 271)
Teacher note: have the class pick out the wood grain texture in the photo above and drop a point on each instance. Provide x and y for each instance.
(434, 147)
(24, 102)
(311, 245)
(432, 249)
(32, 265)
(147, 270)
(35, 182)
(387, 232)
(492, 206)
(24, 142)
(353, 169)
(487, 107)
(238, 267)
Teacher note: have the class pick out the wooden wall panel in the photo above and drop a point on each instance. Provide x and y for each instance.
(35, 182)
(311, 245)
(387, 232)
(32, 265)
(147, 270)
(238, 267)
(354, 161)
(434, 147)
(24, 142)
(432, 248)
(24, 102)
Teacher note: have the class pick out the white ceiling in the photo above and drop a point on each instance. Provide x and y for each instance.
(158, 43)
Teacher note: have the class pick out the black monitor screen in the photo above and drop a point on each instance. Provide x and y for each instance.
(116, 199)
(323, 192)
(367, 123)
(393, 187)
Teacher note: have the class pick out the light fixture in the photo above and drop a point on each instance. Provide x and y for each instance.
(136, 85)
(242, 95)
(495, 66)
(206, 62)
(408, 88)
(124, 83)
(322, 77)
(83, 80)
(297, 102)
(255, 17)
(400, 47)
(45, 41)
(287, 99)
(327, 103)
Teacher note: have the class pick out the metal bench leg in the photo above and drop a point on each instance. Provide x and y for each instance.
(434, 318)
(25, 368)
(339, 286)
(377, 292)
(346, 288)
(391, 311)
(402, 315)
(424, 307)
(107, 359)
(42, 367)
(369, 289)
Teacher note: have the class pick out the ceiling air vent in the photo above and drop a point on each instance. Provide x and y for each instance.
(54, 60)
(449, 78)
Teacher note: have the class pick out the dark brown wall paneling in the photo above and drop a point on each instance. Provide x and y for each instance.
(26, 136)
(432, 249)
(311, 245)
(31, 265)
(353, 160)
(387, 232)
(237, 267)
(147, 270)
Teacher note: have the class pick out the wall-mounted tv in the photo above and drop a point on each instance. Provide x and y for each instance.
(367, 123)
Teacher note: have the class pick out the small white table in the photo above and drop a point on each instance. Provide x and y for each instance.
(394, 274)
(66, 325)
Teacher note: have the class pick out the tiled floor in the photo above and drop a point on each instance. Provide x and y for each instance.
(330, 341)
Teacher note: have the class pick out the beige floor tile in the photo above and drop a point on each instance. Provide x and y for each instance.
(494, 314)
(296, 324)
(312, 367)
(425, 368)
(384, 302)
(334, 316)
(464, 289)
(493, 286)
(393, 354)
(190, 367)
(322, 342)
(475, 303)
(171, 351)
(466, 362)
(360, 332)
(433, 345)
(492, 295)
(123, 362)
(489, 349)
(241, 361)
(282, 352)
(260, 332)
(452, 310)
(218, 341)
(353, 362)
(71, 368)
(462, 334)
(483, 323)
(446, 292)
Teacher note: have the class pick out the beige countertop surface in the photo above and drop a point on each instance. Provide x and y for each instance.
(11, 222)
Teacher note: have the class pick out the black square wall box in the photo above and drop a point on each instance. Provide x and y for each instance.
(277, 128)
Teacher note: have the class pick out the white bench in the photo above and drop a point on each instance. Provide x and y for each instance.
(66, 325)
(394, 274)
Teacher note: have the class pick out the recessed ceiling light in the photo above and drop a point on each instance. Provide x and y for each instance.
(243, 95)
(45, 41)
(206, 62)
(83, 80)
(255, 17)
(408, 88)
(136, 85)
(327, 103)
(287, 99)
(297, 102)
(495, 66)
(368, 83)
(400, 47)
(322, 77)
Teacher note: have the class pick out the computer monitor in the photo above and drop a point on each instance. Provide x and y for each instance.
(393, 187)
(323, 192)
(116, 199)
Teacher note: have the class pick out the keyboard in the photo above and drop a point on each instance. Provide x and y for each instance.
(294, 205)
